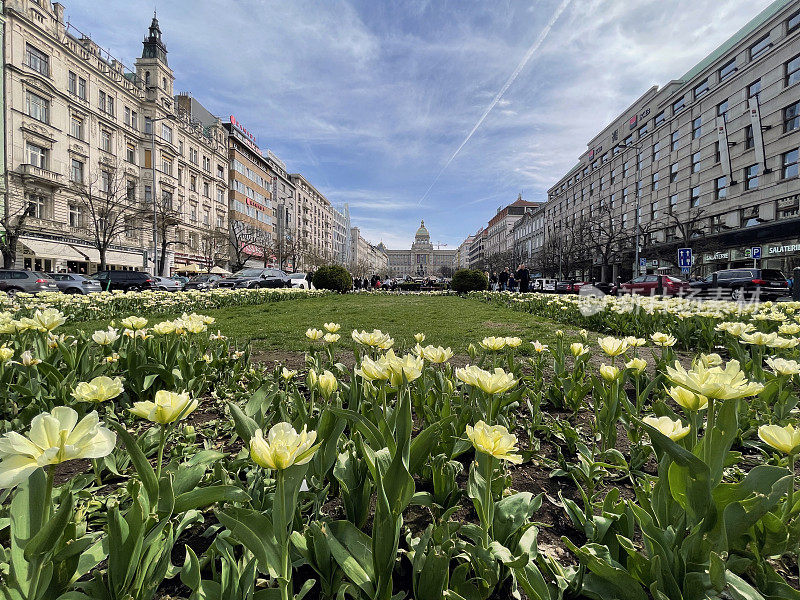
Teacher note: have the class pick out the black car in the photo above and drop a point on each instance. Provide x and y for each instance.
(201, 282)
(739, 284)
(255, 278)
(127, 281)
(72, 283)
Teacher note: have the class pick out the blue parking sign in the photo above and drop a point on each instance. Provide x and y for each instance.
(755, 252)
(642, 262)
(684, 258)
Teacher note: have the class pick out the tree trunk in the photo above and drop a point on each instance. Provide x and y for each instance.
(163, 256)
(102, 251)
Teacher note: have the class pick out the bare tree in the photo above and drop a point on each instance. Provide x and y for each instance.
(168, 216)
(686, 230)
(13, 224)
(214, 248)
(241, 237)
(108, 197)
(609, 238)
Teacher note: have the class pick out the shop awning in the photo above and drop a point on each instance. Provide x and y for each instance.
(126, 259)
(48, 249)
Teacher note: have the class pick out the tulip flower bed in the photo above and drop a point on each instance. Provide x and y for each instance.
(611, 468)
(150, 302)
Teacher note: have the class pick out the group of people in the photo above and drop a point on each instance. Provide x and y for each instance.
(373, 283)
(512, 281)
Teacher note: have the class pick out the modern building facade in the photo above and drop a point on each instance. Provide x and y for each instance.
(90, 143)
(422, 259)
(711, 159)
(461, 259)
(477, 250)
(313, 221)
(283, 196)
(342, 233)
(528, 238)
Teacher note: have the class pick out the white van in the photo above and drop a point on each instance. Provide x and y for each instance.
(543, 285)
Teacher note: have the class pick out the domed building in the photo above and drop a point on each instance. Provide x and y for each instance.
(422, 260)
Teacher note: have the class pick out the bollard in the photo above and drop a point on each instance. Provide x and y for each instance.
(796, 284)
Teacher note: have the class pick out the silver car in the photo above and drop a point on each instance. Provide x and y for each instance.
(72, 283)
(166, 284)
(17, 280)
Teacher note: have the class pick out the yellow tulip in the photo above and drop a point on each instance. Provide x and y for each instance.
(496, 382)
(758, 338)
(48, 319)
(54, 437)
(539, 347)
(663, 339)
(469, 375)
(287, 374)
(493, 344)
(133, 322)
(687, 398)
(6, 353)
(609, 372)
(494, 440)
(513, 342)
(99, 389)
(167, 408)
(314, 334)
(612, 346)
(330, 338)
(164, 328)
(434, 354)
(714, 382)
(637, 365)
(283, 447)
(408, 367)
(711, 360)
(785, 439)
(782, 366)
(332, 327)
(634, 342)
(375, 339)
(578, 349)
(28, 360)
(327, 384)
(674, 430)
(420, 337)
(373, 370)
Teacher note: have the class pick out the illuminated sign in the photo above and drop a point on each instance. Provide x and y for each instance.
(241, 128)
(255, 204)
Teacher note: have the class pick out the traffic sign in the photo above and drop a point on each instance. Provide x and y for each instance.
(684, 257)
(655, 262)
(642, 262)
(685, 270)
(755, 251)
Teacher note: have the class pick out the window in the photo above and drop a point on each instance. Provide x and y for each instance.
(603, 183)
(721, 188)
(675, 141)
(749, 216)
(594, 165)
(656, 151)
(166, 165)
(148, 125)
(193, 183)
(673, 203)
(76, 171)
(603, 160)
(626, 168)
(38, 107)
(793, 70)
(722, 110)
(749, 140)
(789, 164)
(206, 217)
(75, 215)
(793, 22)
(193, 213)
(73, 83)
(148, 193)
(624, 195)
(613, 176)
(701, 88)
(166, 133)
(76, 127)
(751, 177)
(717, 155)
(642, 131)
(110, 106)
(591, 189)
(102, 101)
(166, 199)
(791, 117)
(697, 128)
(180, 175)
(37, 206)
(130, 153)
(206, 190)
(220, 221)
(659, 119)
(105, 181)
(673, 173)
(694, 196)
(220, 195)
(130, 191)
(655, 181)
(105, 140)
(760, 47)
(221, 172)
(728, 69)
(678, 105)
(207, 165)
(754, 89)
(148, 159)
(81, 88)
(37, 156)
(37, 60)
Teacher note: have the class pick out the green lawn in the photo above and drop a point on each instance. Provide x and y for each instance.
(445, 320)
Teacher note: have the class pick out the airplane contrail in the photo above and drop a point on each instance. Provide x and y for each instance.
(542, 35)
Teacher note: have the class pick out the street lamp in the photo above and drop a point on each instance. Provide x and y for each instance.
(636, 268)
(153, 167)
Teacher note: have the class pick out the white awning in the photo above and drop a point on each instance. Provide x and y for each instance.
(48, 249)
(127, 259)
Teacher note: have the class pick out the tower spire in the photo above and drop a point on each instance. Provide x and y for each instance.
(154, 46)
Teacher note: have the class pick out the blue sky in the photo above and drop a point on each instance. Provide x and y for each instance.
(370, 99)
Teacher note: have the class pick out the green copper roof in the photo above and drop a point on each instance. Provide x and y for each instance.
(754, 24)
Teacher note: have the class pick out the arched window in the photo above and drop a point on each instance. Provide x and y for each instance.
(147, 77)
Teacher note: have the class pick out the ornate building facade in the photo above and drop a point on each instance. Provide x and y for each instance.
(422, 260)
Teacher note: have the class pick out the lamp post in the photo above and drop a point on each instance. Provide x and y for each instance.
(155, 206)
(638, 205)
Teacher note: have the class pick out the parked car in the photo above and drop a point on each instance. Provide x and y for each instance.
(255, 278)
(181, 279)
(299, 280)
(651, 285)
(569, 286)
(202, 282)
(72, 283)
(166, 284)
(739, 284)
(33, 282)
(543, 285)
(127, 281)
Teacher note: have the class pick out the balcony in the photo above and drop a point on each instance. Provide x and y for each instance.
(39, 175)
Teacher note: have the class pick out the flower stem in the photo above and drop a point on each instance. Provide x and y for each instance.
(487, 499)
(161, 443)
(790, 499)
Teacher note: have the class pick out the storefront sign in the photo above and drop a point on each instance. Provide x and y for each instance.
(241, 128)
(716, 256)
(788, 249)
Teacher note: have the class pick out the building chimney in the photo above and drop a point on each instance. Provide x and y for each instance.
(59, 10)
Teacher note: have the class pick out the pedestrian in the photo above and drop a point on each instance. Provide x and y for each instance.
(524, 277)
(493, 281)
(504, 279)
(512, 283)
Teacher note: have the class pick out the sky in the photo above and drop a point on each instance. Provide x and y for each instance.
(374, 101)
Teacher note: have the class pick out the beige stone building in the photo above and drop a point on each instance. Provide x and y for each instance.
(422, 259)
(79, 133)
(499, 241)
(313, 222)
(366, 259)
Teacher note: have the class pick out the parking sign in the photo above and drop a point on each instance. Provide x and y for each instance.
(642, 262)
(755, 251)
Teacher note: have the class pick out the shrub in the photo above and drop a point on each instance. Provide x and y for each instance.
(333, 277)
(469, 280)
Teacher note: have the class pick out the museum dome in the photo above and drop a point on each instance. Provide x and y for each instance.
(422, 233)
